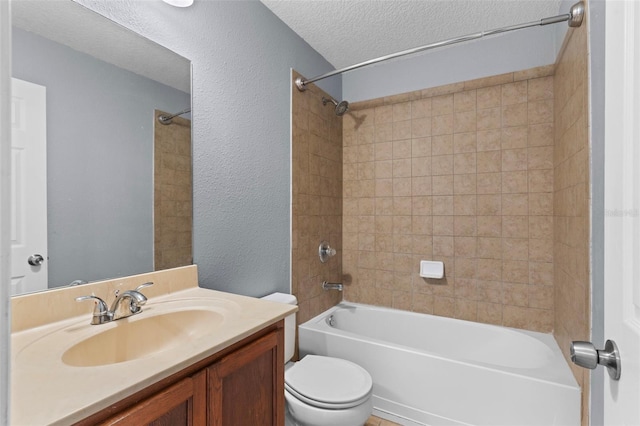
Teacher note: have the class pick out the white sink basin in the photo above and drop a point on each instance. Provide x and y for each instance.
(139, 336)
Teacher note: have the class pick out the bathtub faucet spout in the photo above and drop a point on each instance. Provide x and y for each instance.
(331, 286)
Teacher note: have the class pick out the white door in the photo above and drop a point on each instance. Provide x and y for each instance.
(622, 208)
(28, 187)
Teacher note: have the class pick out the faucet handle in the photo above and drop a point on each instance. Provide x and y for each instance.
(325, 251)
(141, 286)
(100, 305)
(143, 299)
(100, 310)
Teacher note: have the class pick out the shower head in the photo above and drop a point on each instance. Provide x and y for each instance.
(341, 107)
(166, 119)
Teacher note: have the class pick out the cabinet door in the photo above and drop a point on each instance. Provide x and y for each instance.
(246, 387)
(183, 403)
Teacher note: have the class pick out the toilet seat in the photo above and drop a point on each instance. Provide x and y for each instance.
(327, 382)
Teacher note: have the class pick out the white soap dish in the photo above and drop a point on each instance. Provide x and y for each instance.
(431, 269)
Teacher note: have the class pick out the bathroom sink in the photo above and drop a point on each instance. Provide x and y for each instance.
(139, 337)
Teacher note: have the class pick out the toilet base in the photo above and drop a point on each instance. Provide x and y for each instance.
(288, 420)
(301, 414)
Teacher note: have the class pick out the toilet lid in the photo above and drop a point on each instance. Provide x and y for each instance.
(328, 382)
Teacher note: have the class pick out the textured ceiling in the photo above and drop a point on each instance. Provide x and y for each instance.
(347, 32)
(71, 24)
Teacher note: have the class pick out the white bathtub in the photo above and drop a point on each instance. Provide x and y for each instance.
(439, 371)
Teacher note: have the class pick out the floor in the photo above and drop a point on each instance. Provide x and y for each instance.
(377, 421)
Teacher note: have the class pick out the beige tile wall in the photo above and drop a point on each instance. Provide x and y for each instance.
(571, 200)
(462, 174)
(316, 199)
(173, 206)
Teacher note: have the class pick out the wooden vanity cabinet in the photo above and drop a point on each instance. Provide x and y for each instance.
(240, 385)
(183, 403)
(246, 387)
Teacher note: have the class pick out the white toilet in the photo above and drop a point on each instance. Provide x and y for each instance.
(320, 390)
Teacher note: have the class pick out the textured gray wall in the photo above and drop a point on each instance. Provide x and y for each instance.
(241, 56)
(99, 159)
(489, 56)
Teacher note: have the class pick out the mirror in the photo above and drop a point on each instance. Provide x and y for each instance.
(117, 183)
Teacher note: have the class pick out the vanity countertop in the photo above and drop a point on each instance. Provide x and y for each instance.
(47, 390)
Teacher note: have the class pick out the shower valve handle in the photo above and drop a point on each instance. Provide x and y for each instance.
(325, 251)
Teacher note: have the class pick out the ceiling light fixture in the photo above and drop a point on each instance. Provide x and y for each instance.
(179, 3)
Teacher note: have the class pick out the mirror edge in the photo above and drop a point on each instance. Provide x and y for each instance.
(5, 211)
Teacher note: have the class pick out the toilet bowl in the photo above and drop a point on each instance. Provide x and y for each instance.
(320, 390)
(325, 391)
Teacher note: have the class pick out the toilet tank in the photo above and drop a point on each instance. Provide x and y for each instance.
(289, 322)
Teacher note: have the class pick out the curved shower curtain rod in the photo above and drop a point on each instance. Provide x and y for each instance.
(574, 18)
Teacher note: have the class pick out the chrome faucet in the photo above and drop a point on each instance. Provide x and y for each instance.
(119, 309)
